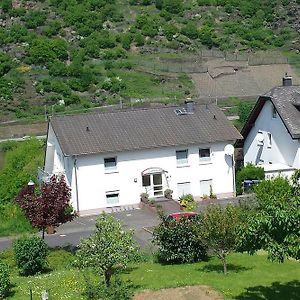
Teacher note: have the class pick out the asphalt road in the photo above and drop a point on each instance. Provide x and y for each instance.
(140, 220)
(69, 234)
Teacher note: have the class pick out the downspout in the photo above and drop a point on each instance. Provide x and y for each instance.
(76, 183)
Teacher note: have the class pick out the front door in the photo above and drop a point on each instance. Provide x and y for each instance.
(153, 183)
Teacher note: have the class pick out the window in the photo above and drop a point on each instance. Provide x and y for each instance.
(204, 154)
(182, 157)
(274, 112)
(112, 197)
(183, 188)
(146, 180)
(206, 187)
(260, 138)
(110, 164)
(269, 140)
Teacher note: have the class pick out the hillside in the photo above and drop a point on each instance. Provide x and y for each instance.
(58, 56)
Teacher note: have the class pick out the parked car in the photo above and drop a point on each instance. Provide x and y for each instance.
(179, 215)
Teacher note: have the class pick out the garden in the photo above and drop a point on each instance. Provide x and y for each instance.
(247, 251)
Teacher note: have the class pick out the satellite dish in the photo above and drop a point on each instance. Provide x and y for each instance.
(260, 137)
(229, 149)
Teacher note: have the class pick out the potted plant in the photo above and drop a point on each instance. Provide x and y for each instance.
(144, 197)
(168, 194)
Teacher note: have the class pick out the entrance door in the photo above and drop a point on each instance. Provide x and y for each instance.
(153, 184)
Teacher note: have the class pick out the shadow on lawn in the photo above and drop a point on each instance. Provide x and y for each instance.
(277, 291)
(231, 268)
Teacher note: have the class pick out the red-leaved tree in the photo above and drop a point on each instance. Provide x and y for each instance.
(49, 207)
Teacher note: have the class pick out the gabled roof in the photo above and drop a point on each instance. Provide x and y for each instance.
(138, 129)
(286, 99)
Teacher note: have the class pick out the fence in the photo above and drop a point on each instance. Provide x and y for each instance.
(170, 67)
(196, 63)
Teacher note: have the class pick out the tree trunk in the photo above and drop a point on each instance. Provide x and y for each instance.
(224, 263)
(43, 233)
(107, 276)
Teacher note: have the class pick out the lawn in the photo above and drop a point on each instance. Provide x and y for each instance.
(249, 277)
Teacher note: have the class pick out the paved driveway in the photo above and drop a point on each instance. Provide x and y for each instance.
(70, 234)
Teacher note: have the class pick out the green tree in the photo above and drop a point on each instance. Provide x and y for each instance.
(244, 110)
(6, 5)
(43, 50)
(275, 225)
(190, 30)
(108, 249)
(219, 232)
(173, 6)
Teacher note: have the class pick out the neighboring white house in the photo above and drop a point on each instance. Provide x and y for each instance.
(110, 158)
(272, 133)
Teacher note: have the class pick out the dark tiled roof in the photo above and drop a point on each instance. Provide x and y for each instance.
(137, 129)
(285, 99)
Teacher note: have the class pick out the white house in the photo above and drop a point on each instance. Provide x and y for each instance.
(110, 158)
(272, 133)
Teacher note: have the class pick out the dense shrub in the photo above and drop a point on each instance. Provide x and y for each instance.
(250, 172)
(33, 19)
(30, 254)
(6, 63)
(4, 280)
(178, 242)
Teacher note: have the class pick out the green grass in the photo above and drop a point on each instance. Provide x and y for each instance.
(249, 277)
(13, 221)
(244, 272)
(140, 85)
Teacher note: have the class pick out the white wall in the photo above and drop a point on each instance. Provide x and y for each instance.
(93, 183)
(55, 161)
(283, 150)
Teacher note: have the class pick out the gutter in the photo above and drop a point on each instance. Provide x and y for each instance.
(76, 183)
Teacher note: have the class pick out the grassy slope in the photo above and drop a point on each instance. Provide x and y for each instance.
(249, 277)
(234, 28)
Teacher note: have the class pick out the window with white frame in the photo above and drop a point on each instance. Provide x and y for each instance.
(182, 157)
(112, 197)
(269, 139)
(206, 187)
(110, 164)
(183, 188)
(204, 154)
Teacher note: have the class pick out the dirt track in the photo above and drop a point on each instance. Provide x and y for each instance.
(199, 292)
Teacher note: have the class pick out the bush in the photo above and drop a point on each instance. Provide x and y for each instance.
(178, 241)
(30, 255)
(117, 290)
(249, 172)
(4, 280)
(187, 201)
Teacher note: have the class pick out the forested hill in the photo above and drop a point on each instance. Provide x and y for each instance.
(75, 54)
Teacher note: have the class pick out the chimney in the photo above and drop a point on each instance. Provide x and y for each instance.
(287, 80)
(189, 106)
